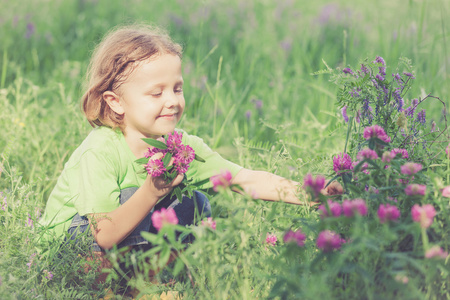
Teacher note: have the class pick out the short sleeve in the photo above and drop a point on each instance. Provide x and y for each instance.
(213, 165)
(96, 184)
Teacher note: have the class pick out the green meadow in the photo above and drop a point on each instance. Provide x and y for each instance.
(257, 91)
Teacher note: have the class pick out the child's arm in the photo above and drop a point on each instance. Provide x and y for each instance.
(111, 228)
(271, 187)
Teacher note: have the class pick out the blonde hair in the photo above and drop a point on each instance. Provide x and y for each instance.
(113, 60)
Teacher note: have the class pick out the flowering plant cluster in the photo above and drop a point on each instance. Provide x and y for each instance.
(369, 96)
(172, 148)
(395, 172)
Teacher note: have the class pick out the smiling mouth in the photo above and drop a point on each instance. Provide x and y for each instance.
(168, 115)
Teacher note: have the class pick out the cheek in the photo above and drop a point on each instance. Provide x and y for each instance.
(182, 104)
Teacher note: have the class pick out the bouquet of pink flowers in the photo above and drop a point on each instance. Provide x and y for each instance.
(170, 146)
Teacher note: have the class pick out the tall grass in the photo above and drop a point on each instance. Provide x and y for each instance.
(235, 53)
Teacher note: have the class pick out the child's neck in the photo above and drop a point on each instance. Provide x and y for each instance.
(137, 146)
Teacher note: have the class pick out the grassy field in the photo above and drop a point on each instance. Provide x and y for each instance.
(237, 55)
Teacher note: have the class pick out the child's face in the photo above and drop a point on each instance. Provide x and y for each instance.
(152, 97)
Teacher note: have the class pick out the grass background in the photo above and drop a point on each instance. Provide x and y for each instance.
(235, 53)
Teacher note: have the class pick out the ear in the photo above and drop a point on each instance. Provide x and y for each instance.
(113, 102)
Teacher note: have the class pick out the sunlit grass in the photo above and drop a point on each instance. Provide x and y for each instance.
(235, 52)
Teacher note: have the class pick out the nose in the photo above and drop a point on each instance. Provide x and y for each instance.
(171, 100)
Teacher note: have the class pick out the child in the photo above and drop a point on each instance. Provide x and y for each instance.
(135, 91)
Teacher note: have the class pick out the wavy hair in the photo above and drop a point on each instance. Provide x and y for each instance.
(112, 62)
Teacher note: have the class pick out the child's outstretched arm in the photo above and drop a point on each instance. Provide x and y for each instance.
(111, 228)
(271, 187)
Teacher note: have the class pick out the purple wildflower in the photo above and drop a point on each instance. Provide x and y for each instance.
(174, 141)
(403, 152)
(258, 103)
(29, 221)
(416, 189)
(163, 217)
(350, 207)
(342, 162)
(379, 77)
(30, 30)
(379, 60)
(358, 116)
(376, 131)
(209, 222)
(424, 215)
(155, 167)
(364, 69)
(48, 274)
(387, 212)
(180, 166)
(328, 241)
(222, 180)
(30, 263)
(437, 252)
(355, 92)
(297, 237)
(348, 71)
(4, 205)
(271, 239)
(185, 154)
(410, 168)
(387, 157)
(248, 114)
(367, 154)
(335, 209)
(410, 75)
(344, 113)
(421, 117)
(315, 185)
(286, 45)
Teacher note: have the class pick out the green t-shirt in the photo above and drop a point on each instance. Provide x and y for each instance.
(101, 167)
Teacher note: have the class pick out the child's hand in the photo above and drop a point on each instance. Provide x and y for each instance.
(158, 186)
(334, 188)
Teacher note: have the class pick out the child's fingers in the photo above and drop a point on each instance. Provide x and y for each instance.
(158, 155)
(177, 180)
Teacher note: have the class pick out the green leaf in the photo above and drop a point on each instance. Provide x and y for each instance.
(359, 165)
(179, 265)
(166, 159)
(142, 161)
(152, 238)
(143, 171)
(155, 143)
(380, 142)
(177, 192)
(198, 158)
(200, 183)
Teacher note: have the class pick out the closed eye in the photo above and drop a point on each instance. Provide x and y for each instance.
(178, 90)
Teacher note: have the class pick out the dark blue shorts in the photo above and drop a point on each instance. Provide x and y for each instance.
(188, 212)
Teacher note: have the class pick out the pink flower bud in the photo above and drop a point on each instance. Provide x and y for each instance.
(271, 239)
(328, 241)
(335, 209)
(297, 237)
(350, 207)
(437, 252)
(410, 168)
(314, 185)
(221, 180)
(387, 212)
(415, 189)
(446, 192)
(164, 216)
(209, 223)
(423, 214)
